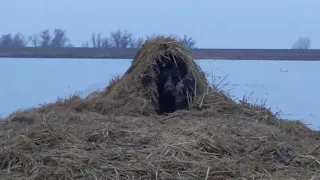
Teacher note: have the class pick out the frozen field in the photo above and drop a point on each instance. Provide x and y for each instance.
(288, 86)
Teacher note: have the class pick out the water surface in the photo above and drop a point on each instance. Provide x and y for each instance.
(289, 86)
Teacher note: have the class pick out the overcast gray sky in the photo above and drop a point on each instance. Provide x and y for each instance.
(213, 23)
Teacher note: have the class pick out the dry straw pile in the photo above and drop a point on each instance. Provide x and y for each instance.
(116, 134)
(136, 92)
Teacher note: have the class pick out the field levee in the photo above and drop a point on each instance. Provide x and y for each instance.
(129, 53)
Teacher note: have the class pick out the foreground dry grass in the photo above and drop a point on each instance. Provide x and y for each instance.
(63, 141)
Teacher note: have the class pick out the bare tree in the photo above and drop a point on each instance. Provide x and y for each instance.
(100, 42)
(121, 39)
(6, 40)
(96, 40)
(189, 42)
(136, 43)
(34, 39)
(45, 38)
(302, 43)
(59, 39)
(17, 40)
(105, 42)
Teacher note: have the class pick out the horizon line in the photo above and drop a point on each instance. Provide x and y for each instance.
(129, 53)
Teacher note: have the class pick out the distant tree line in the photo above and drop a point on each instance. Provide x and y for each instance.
(118, 39)
(59, 38)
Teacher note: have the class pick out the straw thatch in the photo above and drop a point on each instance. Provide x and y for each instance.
(108, 136)
(136, 91)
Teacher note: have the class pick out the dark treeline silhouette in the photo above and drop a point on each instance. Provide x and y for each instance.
(115, 39)
(59, 38)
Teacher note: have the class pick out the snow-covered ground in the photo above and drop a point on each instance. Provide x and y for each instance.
(285, 85)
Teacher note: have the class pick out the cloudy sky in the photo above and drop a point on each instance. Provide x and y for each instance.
(213, 23)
